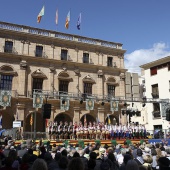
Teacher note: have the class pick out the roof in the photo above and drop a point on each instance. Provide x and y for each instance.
(155, 63)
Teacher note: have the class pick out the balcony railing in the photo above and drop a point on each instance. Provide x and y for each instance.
(58, 35)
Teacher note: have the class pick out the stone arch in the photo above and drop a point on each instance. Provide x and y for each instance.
(88, 79)
(64, 75)
(40, 122)
(89, 118)
(38, 74)
(8, 70)
(111, 80)
(113, 120)
(62, 117)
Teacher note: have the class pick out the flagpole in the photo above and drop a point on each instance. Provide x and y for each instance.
(31, 125)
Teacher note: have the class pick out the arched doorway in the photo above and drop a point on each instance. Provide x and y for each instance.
(62, 117)
(87, 118)
(113, 120)
(40, 123)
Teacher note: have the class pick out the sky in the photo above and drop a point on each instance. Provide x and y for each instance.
(142, 26)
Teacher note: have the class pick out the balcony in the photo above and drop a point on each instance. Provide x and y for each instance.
(156, 114)
(155, 95)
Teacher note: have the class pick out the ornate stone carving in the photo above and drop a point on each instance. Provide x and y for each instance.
(52, 69)
(23, 65)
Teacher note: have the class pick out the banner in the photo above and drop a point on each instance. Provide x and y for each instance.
(114, 105)
(37, 100)
(64, 102)
(89, 103)
(5, 98)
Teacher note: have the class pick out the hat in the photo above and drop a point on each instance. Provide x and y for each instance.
(12, 147)
(139, 152)
(147, 150)
(102, 150)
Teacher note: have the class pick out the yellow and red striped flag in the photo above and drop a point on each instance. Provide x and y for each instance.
(40, 15)
(31, 120)
(67, 20)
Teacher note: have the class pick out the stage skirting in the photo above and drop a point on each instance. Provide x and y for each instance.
(158, 141)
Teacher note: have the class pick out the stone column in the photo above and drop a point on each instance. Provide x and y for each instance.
(22, 89)
(76, 117)
(100, 114)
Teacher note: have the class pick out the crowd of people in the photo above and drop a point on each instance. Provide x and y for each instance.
(94, 130)
(46, 156)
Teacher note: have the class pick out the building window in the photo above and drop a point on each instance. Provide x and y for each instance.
(39, 51)
(156, 110)
(6, 82)
(87, 90)
(37, 84)
(155, 91)
(109, 61)
(111, 90)
(8, 47)
(153, 71)
(64, 54)
(85, 57)
(63, 86)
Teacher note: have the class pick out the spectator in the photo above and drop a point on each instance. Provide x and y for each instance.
(91, 164)
(127, 157)
(132, 165)
(39, 164)
(164, 163)
(25, 162)
(139, 158)
(63, 163)
(76, 164)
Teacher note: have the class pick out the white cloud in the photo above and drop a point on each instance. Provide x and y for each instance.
(143, 56)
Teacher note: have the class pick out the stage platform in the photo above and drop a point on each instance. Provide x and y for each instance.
(86, 141)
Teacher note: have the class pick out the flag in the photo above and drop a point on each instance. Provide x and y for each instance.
(109, 122)
(46, 122)
(56, 17)
(31, 120)
(40, 15)
(79, 22)
(67, 20)
(85, 121)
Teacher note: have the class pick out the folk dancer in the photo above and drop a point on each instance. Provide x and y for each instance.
(98, 132)
(70, 131)
(75, 130)
(103, 133)
(120, 130)
(50, 130)
(85, 131)
(90, 129)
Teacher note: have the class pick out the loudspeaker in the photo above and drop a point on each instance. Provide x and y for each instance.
(46, 110)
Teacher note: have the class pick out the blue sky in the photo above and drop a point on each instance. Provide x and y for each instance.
(142, 26)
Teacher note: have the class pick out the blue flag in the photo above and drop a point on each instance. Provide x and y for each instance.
(79, 22)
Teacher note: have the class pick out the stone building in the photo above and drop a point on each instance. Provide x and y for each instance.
(54, 63)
